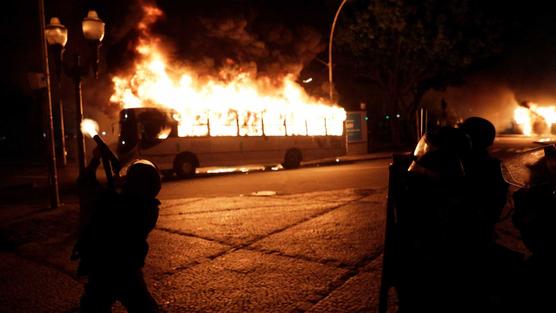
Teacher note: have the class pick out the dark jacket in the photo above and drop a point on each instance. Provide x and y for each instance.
(534, 216)
(114, 227)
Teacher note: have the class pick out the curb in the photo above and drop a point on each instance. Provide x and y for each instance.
(68, 184)
(343, 160)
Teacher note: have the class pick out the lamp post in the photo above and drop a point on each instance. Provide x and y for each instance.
(53, 174)
(57, 37)
(93, 31)
(330, 79)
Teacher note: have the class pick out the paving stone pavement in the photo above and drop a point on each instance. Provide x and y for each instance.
(315, 252)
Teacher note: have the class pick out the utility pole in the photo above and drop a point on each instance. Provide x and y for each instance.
(52, 171)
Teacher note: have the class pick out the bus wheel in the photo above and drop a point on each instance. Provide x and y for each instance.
(292, 159)
(185, 165)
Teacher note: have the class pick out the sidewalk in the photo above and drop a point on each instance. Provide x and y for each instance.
(312, 252)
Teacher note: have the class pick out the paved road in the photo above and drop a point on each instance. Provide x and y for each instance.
(507, 146)
(369, 174)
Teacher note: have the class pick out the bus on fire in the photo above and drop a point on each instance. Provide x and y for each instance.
(229, 138)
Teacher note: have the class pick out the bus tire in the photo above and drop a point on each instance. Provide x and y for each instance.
(292, 159)
(185, 165)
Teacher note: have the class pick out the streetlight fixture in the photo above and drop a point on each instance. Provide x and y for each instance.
(93, 30)
(57, 36)
(56, 33)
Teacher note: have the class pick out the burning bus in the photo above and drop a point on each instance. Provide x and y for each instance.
(157, 135)
(181, 122)
(181, 117)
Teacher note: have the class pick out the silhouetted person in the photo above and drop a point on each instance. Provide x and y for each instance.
(488, 190)
(435, 246)
(487, 195)
(535, 215)
(112, 245)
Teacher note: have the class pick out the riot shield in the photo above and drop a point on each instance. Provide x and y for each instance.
(396, 182)
(527, 169)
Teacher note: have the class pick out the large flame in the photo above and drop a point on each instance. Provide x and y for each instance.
(535, 119)
(221, 106)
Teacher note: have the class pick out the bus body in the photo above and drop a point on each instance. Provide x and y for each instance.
(152, 134)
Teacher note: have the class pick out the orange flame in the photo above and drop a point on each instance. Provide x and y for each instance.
(535, 119)
(242, 105)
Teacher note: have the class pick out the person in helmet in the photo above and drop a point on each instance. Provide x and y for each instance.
(488, 190)
(112, 243)
(433, 226)
(453, 198)
(440, 154)
(487, 197)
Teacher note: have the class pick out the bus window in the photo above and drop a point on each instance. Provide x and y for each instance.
(154, 126)
(334, 126)
(192, 124)
(316, 126)
(250, 124)
(274, 124)
(201, 125)
(223, 123)
(296, 126)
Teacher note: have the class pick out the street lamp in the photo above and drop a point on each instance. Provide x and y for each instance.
(93, 31)
(57, 36)
(330, 80)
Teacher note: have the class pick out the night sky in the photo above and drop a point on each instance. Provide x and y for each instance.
(295, 34)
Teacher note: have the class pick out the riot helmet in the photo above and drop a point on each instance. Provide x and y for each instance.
(481, 132)
(142, 179)
(440, 153)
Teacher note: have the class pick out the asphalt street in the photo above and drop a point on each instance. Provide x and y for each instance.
(367, 174)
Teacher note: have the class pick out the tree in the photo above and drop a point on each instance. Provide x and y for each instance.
(408, 47)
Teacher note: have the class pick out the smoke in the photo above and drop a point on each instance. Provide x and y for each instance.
(216, 44)
(260, 37)
(268, 50)
(489, 98)
(526, 72)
